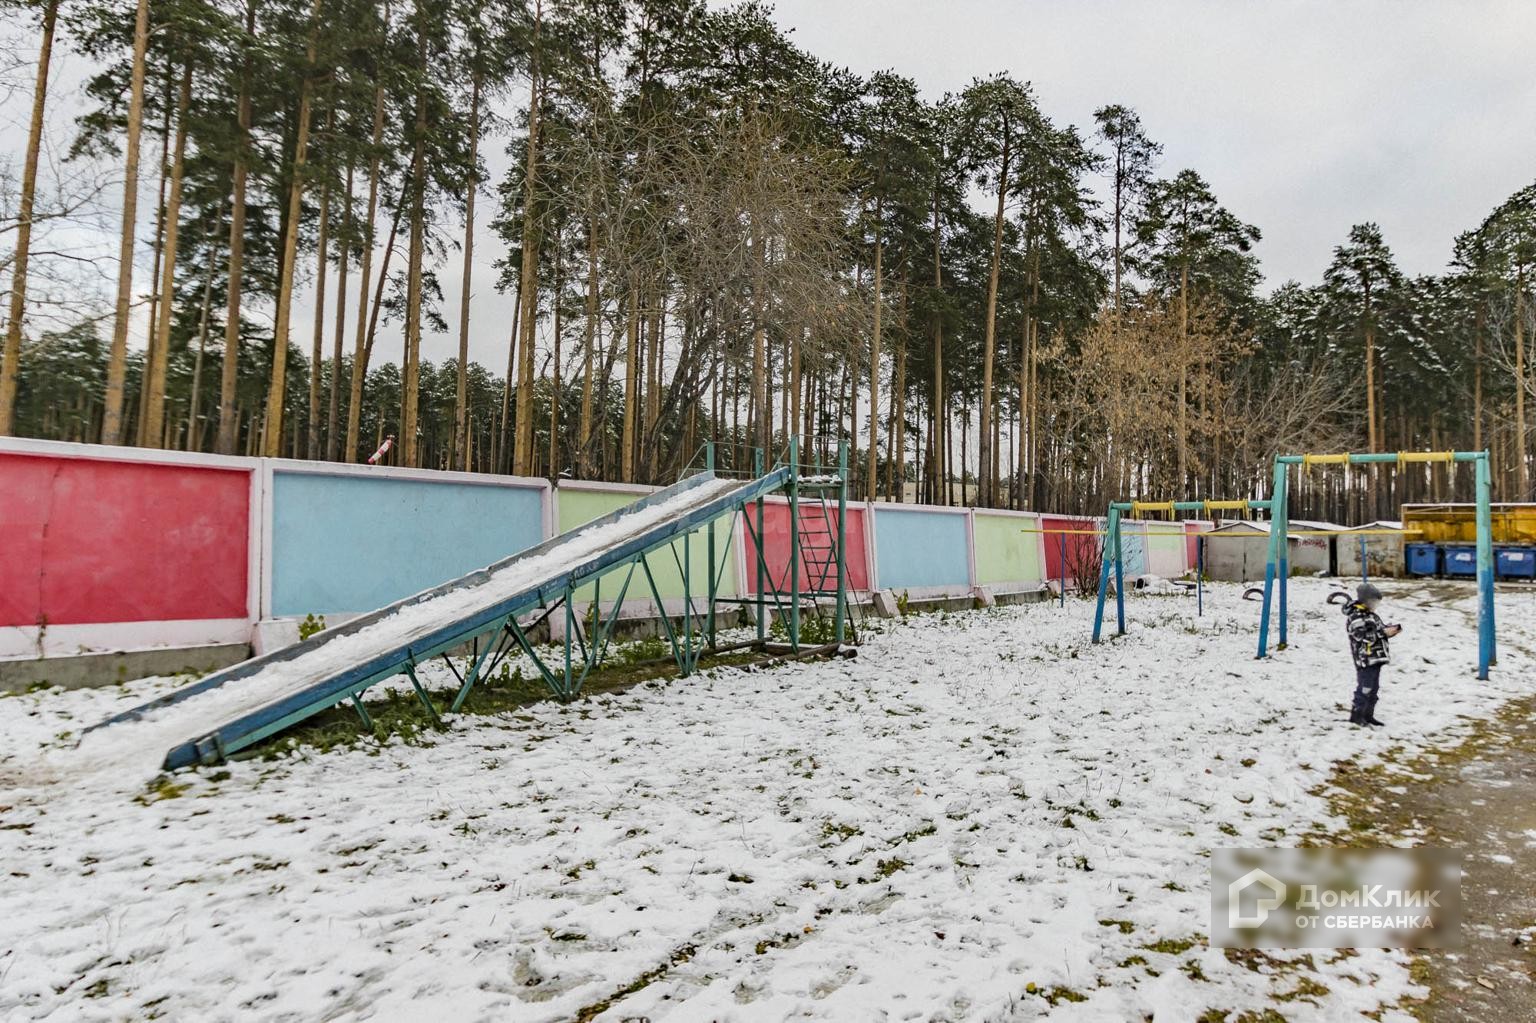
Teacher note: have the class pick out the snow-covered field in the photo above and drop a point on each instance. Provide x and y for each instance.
(983, 816)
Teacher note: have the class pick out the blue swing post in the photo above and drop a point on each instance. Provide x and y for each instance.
(1487, 643)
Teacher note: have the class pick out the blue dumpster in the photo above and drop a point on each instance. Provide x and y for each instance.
(1515, 562)
(1460, 560)
(1422, 558)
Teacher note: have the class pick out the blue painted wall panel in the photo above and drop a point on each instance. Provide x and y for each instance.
(352, 544)
(1133, 549)
(915, 549)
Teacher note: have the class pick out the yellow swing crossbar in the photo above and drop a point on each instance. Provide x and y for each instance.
(1307, 461)
(1137, 507)
(1226, 505)
(1426, 456)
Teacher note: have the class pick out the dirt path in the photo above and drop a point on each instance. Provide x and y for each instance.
(1478, 796)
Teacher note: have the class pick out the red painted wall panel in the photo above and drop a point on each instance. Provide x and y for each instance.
(1053, 541)
(776, 543)
(83, 540)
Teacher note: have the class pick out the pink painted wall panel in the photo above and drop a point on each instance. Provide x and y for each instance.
(776, 544)
(1054, 541)
(86, 540)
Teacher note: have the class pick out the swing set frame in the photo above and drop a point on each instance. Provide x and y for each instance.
(1277, 571)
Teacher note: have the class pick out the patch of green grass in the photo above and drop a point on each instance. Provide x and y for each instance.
(1126, 927)
(841, 832)
(1172, 946)
(164, 786)
(1064, 994)
(1306, 989)
(885, 868)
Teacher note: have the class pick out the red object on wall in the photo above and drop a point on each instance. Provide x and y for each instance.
(776, 544)
(85, 541)
(1191, 544)
(1086, 544)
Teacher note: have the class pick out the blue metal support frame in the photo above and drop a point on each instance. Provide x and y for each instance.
(1278, 564)
(1113, 560)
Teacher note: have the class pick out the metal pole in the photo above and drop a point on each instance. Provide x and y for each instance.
(762, 552)
(1364, 563)
(1487, 653)
(842, 537)
(794, 544)
(1098, 611)
(1119, 574)
(688, 595)
(570, 626)
(1062, 537)
(1272, 563)
(709, 621)
(1284, 510)
(1200, 575)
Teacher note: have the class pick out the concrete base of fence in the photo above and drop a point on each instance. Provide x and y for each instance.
(983, 597)
(274, 634)
(105, 669)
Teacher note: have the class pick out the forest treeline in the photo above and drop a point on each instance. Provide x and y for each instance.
(709, 234)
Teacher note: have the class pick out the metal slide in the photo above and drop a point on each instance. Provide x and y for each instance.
(244, 704)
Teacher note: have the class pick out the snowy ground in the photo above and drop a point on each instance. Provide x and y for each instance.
(981, 817)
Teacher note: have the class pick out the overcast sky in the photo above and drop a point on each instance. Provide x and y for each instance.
(1305, 117)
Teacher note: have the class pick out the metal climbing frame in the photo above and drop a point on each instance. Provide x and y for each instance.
(817, 552)
(1277, 566)
(1113, 558)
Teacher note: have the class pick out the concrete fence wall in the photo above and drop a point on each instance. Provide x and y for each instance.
(109, 549)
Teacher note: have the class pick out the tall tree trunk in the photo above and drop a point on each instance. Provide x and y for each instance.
(194, 397)
(1477, 376)
(152, 415)
(363, 344)
(117, 362)
(1183, 410)
(157, 250)
(589, 340)
(410, 375)
(871, 489)
(938, 429)
(631, 385)
(1522, 442)
(499, 449)
(528, 282)
(317, 344)
(10, 359)
(984, 464)
(461, 396)
(277, 385)
(760, 418)
(554, 382)
(229, 376)
(333, 412)
(1372, 437)
(898, 459)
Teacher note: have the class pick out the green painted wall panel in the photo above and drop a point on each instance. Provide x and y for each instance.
(576, 507)
(1004, 553)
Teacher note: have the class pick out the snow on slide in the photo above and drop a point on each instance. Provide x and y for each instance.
(143, 742)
